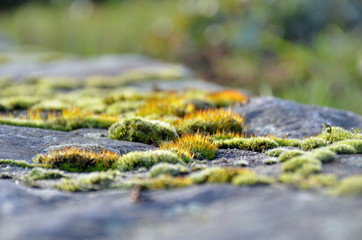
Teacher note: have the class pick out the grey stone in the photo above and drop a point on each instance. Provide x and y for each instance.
(268, 115)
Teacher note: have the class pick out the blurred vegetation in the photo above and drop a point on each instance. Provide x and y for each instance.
(305, 50)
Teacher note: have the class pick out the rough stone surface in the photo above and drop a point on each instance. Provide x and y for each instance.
(267, 115)
(198, 212)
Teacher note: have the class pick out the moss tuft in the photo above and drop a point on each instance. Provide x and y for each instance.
(251, 179)
(276, 152)
(342, 148)
(218, 174)
(211, 121)
(335, 134)
(165, 182)
(253, 144)
(356, 144)
(42, 174)
(285, 142)
(270, 161)
(349, 186)
(136, 129)
(313, 142)
(195, 146)
(73, 159)
(225, 98)
(323, 154)
(285, 156)
(311, 182)
(91, 182)
(168, 169)
(135, 160)
(304, 165)
(16, 163)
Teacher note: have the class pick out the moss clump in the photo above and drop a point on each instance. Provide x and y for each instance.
(168, 169)
(16, 163)
(225, 98)
(251, 180)
(304, 165)
(43, 174)
(135, 160)
(218, 174)
(313, 142)
(310, 182)
(165, 182)
(90, 182)
(276, 152)
(323, 154)
(211, 121)
(334, 134)
(136, 129)
(225, 135)
(253, 144)
(342, 148)
(73, 159)
(356, 144)
(285, 156)
(270, 161)
(349, 186)
(285, 142)
(195, 146)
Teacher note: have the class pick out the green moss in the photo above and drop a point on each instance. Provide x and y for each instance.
(142, 130)
(349, 186)
(217, 174)
(73, 159)
(42, 174)
(253, 144)
(165, 182)
(135, 160)
(276, 152)
(251, 179)
(91, 182)
(335, 134)
(168, 169)
(323, 154)
(342, 148)
(270, 161)
(285, 156)
(356, 144)
(313, 142)
(195, 146)
(211, 121)
(285, 142)
(304, 165)
(309, 182)
(16, 163)
(241, 163)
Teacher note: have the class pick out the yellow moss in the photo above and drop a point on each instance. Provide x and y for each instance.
(225, 98)
(165, 182)
(218, 174)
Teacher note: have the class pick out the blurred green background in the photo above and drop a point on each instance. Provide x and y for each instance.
(309, 51)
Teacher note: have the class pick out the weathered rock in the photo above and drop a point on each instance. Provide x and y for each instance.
(22, 143)
(267, 115)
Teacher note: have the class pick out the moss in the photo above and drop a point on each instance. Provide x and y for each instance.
(19, 103)
(251, 179)
(342, 148)
(304, 165)
(142, 130)
(323, 154)
(91, 182)
(334, 134)
(225, 98)
(165, 182)
(211, 121)
(310, 182)
(253, 144)
(241, 163)
(349, 186)
(356, 144)
(16, 163)
(313, 142)
(217, 174)
(73, 159)
(276, 152)
(225, 135)
(168, 169)
(135, 160)
(285, 142)
(42, 174)
(270, 161)
(195, 146)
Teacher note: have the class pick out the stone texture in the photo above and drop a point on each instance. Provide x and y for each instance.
(268, 115)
